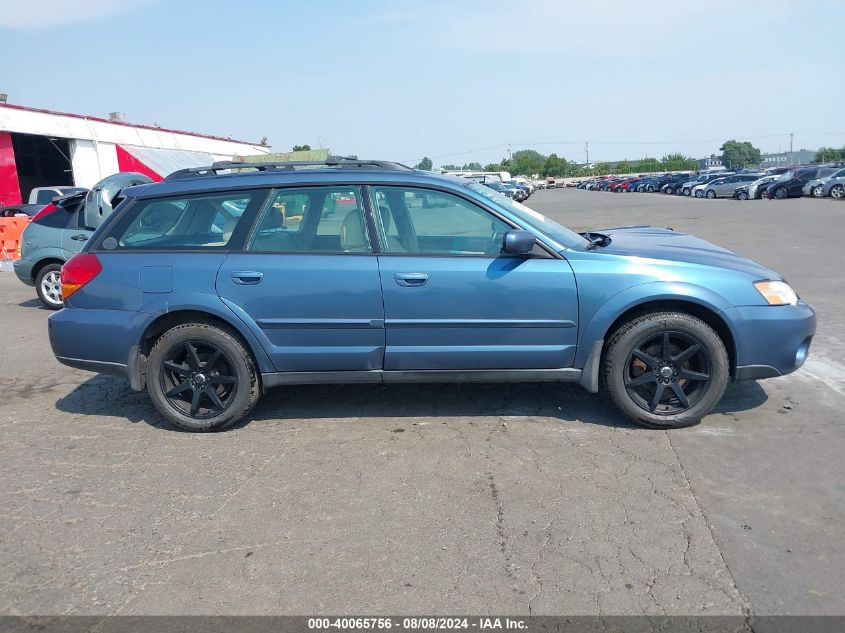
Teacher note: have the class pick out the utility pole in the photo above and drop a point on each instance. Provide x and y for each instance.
(790, 147)
(587, 149)
(510, 156)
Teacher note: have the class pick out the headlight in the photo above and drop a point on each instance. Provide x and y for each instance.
(777, 293)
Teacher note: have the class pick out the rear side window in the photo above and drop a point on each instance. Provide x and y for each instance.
(326, 219)
(204, 221)
(45, 196)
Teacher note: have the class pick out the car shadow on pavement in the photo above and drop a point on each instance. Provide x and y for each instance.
(107, 395)
(34, 303)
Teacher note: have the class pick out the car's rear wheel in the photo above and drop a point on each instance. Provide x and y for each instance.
(711, 194)
(837, 191)
(201, 377)
(779, 193)
(665, 370)
(686, 191)
(48, 285)
(650, 189)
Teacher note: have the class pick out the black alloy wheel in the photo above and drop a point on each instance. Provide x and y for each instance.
(198, 379)
(667, 373)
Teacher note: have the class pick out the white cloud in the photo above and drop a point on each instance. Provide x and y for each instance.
(37, 15)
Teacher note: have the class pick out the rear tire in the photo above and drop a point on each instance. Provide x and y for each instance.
(201, 377)
(48, 285)
(665, 370)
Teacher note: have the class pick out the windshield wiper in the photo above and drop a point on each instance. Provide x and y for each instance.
(595, 239)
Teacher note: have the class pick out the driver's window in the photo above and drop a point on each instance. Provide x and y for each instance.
(414, 220)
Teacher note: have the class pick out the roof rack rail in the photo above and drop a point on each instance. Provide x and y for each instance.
(290, 165)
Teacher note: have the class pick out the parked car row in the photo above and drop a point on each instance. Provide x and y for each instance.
(815, 181)
(512, 189)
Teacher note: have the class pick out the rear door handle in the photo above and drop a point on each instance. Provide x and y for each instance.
(79, 237)
(410, 280)
(246, 277)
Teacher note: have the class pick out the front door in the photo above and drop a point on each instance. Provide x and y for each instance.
(452, 301)
(307, 282)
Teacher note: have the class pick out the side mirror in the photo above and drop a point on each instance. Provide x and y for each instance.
(518, 242)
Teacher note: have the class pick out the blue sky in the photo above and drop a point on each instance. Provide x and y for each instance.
(400, 80)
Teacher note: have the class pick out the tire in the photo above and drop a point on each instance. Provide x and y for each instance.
(650, 189)
(669, 191)
(699, 193)
(837, 191)
(231, 375)
(817, 191)
(742, 195)
(48, 285)
(686, 191)
(710, 194)
(779, 194)
(707, 368)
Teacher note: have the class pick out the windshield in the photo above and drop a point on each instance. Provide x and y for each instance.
(538, 221)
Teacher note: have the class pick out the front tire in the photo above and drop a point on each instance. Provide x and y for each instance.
(837, 191)
(665, 370)
(711, 194)
(48, 285)
(699, 193)
(742, 195)
(779, 194)
(201, 377)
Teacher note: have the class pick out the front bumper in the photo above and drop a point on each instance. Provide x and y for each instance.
(770, 340)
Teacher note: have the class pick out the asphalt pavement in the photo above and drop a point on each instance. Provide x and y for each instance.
(533, 498)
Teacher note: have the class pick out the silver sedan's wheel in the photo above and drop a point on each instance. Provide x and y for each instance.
(699, 193)
(817, 191)
(837, 191)
(711, 194)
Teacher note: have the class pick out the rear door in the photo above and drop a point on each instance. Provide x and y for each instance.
(452, 301)
(307, 282)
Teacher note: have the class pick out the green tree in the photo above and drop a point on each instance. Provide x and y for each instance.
(622, 167)
(739, 154)
(829, 155)
(492, 167)
(301, 148)
(555, 166)
(425, 164)
(473, 167)
(526, 162)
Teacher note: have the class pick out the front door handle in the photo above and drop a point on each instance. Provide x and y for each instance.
(410, 280)
(246, 277)
(79, 237)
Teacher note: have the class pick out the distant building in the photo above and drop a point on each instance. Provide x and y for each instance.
(798, 157)
(44, 148)
(714, 163)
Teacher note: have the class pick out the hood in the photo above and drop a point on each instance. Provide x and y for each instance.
(669, 245)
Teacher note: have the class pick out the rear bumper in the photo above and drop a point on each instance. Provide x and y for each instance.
(23, 271)
(771, 340)
(93, 340)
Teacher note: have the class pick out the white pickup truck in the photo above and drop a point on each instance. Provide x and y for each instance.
(45, 195)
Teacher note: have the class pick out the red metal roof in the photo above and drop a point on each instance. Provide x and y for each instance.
(124, 123)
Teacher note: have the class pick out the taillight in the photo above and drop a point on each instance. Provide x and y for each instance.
(48, 209)
(78, 271)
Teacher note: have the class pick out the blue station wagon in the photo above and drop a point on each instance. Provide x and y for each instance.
(218, 283)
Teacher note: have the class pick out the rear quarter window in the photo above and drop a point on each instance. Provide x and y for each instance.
(205, 221)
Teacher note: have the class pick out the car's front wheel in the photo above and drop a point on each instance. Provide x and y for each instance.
(665, 370)
(837, 191)
(48, 285)
(779, 194)
(817, 191)
(699, 193)
(742, 195)
(710, 194)
(201, 377)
